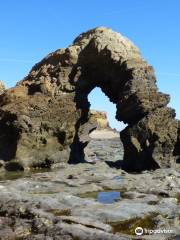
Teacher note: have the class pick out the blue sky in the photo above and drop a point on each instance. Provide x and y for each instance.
(29, 30)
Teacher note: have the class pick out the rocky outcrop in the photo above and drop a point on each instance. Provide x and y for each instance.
(2, 87)
(46, 119)
(151, 141)
(100, 118)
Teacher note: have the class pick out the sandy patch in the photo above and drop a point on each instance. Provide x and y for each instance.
(105, 133)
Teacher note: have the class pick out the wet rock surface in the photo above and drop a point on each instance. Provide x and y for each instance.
(45, 118)
(72, 201)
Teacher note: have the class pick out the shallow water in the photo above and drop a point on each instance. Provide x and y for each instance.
(13, 175)
(129, 226)
(108, 197)
(105, 197)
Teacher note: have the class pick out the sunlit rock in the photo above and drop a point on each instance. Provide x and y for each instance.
(45, 119)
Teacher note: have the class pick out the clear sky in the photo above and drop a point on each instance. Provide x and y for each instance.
(29, 30)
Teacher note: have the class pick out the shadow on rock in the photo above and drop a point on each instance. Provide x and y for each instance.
(118, 164)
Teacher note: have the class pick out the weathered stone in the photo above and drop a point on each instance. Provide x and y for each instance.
(150, 143)
(2, 87)
(65, 204)
(99, 117)
(47, 114)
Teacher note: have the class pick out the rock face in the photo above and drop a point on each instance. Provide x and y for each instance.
(46, 118)
(2, 87)
(100, 118)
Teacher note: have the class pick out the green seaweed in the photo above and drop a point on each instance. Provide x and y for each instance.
(61, 212)
(178, 198)
(89, 195)
(129, 226)
(13, 175)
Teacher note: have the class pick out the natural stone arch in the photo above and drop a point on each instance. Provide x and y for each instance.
(63, 80)
(114, 64)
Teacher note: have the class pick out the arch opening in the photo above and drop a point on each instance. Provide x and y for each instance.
(100, 102)
(131, 85)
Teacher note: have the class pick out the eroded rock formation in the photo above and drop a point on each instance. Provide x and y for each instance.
(2, 87)
(100, 118)
(45, 118)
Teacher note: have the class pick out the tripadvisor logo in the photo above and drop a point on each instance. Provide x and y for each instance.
(139, 231)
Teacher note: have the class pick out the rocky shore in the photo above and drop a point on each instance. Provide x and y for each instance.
(45, 119)
(64, 174)
(90, 200)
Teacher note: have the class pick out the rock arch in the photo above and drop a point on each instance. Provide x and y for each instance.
(52, 109)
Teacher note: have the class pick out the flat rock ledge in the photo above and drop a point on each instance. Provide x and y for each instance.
(90, 201)
(68, 204)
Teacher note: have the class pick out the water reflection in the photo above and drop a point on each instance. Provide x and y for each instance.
(13, 175)
(108, 197)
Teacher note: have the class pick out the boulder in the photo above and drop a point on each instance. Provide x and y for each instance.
(45, 118)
